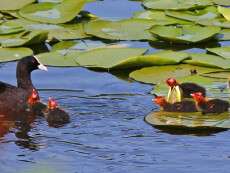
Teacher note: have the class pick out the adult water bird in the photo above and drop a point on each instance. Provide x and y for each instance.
(15, 99)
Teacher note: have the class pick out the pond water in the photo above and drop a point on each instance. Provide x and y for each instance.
(107, 132)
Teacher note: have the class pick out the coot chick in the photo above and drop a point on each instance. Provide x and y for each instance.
(184, 90)
(55, 115)
(210, 106)
(14, 99)
(183, 106)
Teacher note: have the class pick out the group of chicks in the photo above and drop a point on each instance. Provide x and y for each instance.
(189, 97)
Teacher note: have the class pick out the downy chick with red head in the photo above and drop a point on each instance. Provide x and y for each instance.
(209, 106)
(183, 106)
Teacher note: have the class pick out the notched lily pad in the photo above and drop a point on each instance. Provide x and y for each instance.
(225, 12)
(128, 29)
(221, 51)
(185, 34)
(189, 120)
(53, 12)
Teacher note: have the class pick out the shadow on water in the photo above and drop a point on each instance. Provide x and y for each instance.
(189, 131)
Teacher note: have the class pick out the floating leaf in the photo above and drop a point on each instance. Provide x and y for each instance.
(189, 120)
(205, 14)
(221, 51)
(108, 57)
(225, 12)
(219, 75)
(158, 17)
(128, 29)
(58, 58)
(51, 12)
(176, 5)
(10, 28)
(201, 59)
(222, 2)
(223, 23)
(185, 34)
(158, 74)
(25, 38)
(63, 45)
(12, 54)
(14, 5)
(224, 35)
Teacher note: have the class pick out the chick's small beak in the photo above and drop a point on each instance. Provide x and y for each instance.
(42, 67)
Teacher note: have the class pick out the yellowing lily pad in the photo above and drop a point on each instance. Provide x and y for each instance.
(221, 51)
(12, 54)
(189, 120)
(14, 4)
(176, 4)
(185, 34)
(52, 12)
(225, 12)
(206, 60)
(128, 29)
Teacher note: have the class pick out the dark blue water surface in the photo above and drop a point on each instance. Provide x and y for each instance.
(107, 133)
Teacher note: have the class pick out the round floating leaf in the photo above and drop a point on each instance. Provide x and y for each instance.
(108, 57)
(10, 28)
(25, 38)
(223, 23)
(189, 120)
(224, 35)
(221, 51)
(58, 58)
(14, 4)
(63, 45)
(128, 29)
(12, 54)
(205, 14)
(158, 74)
(219, 74)
(51, 12)
(225, 12)
(176, 5)
(201, 59)
(185, 34)
(222, 2)
(158, 17)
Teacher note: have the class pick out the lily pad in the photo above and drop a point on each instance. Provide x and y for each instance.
(25, 38)
(223, 23)
(225, 12)
(10, 28)
(206, 60)
(128, 29)
(185, 34)
(58, 58)
(221, 51)
(14, 5)
(189, 120)
(158, 17)
(51, 12)
(219, 75)
(12, 54)
(176, 5)
(222, 2)
(158, 74)
(224, 35)
(205, 14)
(108, 58)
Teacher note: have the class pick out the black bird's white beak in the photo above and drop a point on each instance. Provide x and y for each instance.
(42, 67)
